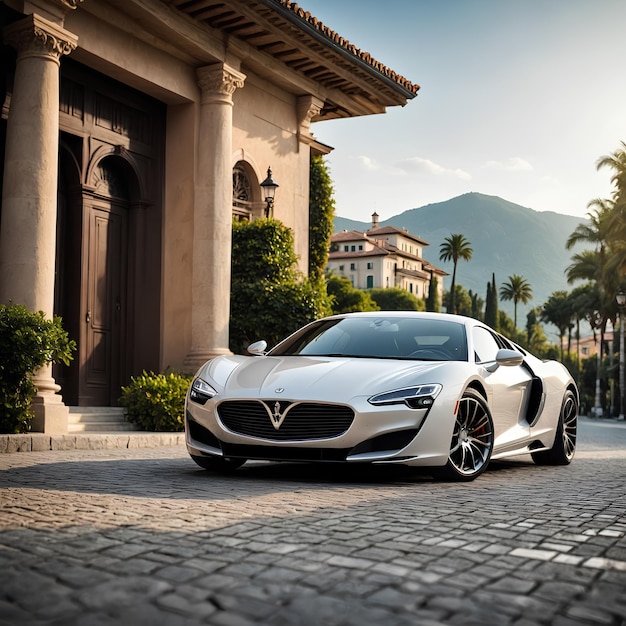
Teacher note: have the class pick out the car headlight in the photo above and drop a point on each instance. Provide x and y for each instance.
(201, 391)
(419, 397)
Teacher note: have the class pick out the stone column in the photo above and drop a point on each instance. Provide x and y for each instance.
(213, 208)
(29, 197)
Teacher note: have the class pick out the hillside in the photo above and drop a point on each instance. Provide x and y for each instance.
(506, 239)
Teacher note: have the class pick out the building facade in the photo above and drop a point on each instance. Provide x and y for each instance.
(132, 132)
(384, 256)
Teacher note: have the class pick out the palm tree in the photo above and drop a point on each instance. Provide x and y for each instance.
(617, 162)
(616, 218)
(583, 299)
(597, 228)
(517, 289)
(453, 248)
(590, 265)
(605, 266)
(557, 311)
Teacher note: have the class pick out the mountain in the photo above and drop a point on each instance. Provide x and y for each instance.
(506, 238)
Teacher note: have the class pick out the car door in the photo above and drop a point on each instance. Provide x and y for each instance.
(508, 390)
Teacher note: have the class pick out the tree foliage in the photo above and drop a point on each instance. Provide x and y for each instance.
(269, 297)
(28, 341)
(345, 298)
(396, 299)
(321, 216)
(477, 306)
(557, 310)
(462, 300)
(536, 341)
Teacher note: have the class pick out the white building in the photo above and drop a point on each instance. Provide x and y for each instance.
(384, 257)
(131, 133)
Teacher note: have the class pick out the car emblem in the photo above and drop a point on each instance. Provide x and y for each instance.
(277, 417)
(279, 390)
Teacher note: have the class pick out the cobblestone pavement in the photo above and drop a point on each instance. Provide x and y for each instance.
(142, 536)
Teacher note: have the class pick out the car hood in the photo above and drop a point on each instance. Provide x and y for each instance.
(329, 378)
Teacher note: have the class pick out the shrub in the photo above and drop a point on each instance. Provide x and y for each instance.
(28, 341)
(156, 402)
(396, 299)
(347, 299)
(270, 298)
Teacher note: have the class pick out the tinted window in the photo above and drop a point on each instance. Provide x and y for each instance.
(485, 346)
(386, 337)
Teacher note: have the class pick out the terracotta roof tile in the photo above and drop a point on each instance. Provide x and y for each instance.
(337, 39)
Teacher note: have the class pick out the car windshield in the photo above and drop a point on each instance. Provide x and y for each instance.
(379, 337)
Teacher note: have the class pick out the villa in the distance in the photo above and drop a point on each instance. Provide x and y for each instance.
(384, 257)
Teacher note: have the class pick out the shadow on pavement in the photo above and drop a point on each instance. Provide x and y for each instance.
(180, 478)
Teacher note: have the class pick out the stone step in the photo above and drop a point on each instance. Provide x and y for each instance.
(98, 420)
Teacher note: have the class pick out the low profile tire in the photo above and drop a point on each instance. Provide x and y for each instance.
(218, 464)
(472, 439)
(562, 452)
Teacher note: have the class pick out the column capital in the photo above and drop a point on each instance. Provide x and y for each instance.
(36, 36)
(218, 82)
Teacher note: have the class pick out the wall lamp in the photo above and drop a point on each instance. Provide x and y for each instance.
(268, 187)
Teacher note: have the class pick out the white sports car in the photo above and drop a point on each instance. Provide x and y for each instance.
(419, 389)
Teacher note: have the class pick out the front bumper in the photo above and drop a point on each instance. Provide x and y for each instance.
(377, 434)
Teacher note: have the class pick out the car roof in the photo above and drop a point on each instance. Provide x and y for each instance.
(461, 319)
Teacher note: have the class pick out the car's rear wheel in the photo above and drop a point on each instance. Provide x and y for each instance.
(472, 439)
(564, 447)
(218, 464)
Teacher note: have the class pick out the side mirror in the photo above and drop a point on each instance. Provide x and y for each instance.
(508, 358)
(257, 348)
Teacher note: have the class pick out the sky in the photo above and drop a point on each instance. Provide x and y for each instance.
(518, 99)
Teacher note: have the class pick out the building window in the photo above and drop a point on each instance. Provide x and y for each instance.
(242, 192)
(370, 282)
(352, 266)
(370, 266)
(341, 268)
(360, 247)
(346, 248)
(410, 287)
(352, 248)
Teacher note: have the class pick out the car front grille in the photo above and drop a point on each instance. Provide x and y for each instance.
(300, 421)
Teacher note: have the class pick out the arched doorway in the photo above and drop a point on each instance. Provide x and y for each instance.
(104, 279)
(92, 282)
(108, 273)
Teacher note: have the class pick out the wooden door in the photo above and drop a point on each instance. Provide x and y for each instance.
(104, 304)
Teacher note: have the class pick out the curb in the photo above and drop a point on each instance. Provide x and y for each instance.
(40, 442)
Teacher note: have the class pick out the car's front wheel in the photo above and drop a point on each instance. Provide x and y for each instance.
(218, 464)
(472, 439)
(564, 447)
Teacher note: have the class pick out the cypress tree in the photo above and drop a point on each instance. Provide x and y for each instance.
(494, 296)
(489, 307)
(432, 301)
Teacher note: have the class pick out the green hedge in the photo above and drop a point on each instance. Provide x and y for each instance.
(27, 342)
(156, 402)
